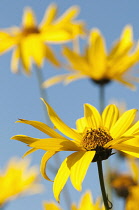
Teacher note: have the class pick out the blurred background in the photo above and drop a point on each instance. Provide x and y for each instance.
(20, 97)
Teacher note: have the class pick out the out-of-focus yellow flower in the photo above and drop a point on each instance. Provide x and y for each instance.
(29, 40)
(98, 65)
(86, 203)
(127, 185)
(17, 179)
(93, 140)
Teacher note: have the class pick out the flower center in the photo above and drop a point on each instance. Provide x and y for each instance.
(30, 30)
(95, 139)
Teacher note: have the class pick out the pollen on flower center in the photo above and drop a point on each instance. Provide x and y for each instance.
(95, 138)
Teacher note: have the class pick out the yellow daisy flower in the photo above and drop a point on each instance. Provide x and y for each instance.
(17, 179)
(29, 40)
(87, 203)
(93, 140)
(98, 64)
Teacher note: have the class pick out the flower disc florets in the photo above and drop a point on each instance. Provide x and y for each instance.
(95, 139)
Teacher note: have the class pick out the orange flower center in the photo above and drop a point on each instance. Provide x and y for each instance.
(95, 138)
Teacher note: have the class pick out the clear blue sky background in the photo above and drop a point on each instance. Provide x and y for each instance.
(20, 98)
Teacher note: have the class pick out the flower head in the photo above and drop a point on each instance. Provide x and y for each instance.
(93, 140)
(98, 64)
(17, 179)
(29, 40)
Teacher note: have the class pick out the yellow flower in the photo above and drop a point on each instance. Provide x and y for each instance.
(29, 40)
(93, 140)
(127, 185)
(99, 65)
(87, 203)
(17, 179)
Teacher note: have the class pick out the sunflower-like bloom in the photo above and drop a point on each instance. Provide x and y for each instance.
(17, 179)
(29, 40)
(93, 140)
(98, 65)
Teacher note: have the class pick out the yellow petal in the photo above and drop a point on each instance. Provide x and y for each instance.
(6, 42)
(42, 127)
(124, 44)
(69, 15)
(51, 56)
(131, 150)
(55, 144)
(60, 125)
(24, 139)
(29, 152)
(44, 161)
(110, 116)
(51, 206)
(81, 162)
(133, 130)
(15, 60)
(92, 116)
(123, 123)
(62, 176)
(78, 62)
(25, 55)
(53, 80)
(97, 54)
(81, 124)
(28, 20)
(49, 17)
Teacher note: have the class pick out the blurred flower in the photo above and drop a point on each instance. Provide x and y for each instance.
(29, 40)
(98, 65)
(121, 183)
(87, 203)
(17, 179)
(127, 185)
(93, 140)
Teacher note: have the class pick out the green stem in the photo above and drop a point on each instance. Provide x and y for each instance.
(101, 180)
(101, 97)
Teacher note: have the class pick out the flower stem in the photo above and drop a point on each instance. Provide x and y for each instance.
(101, 97)
(42, 93)
(101, 180)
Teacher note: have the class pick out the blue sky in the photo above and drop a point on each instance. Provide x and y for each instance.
(20, 97)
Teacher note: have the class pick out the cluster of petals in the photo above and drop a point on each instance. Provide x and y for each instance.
(98, 64)
(30, 40)
(122, 130)
(18, 179)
